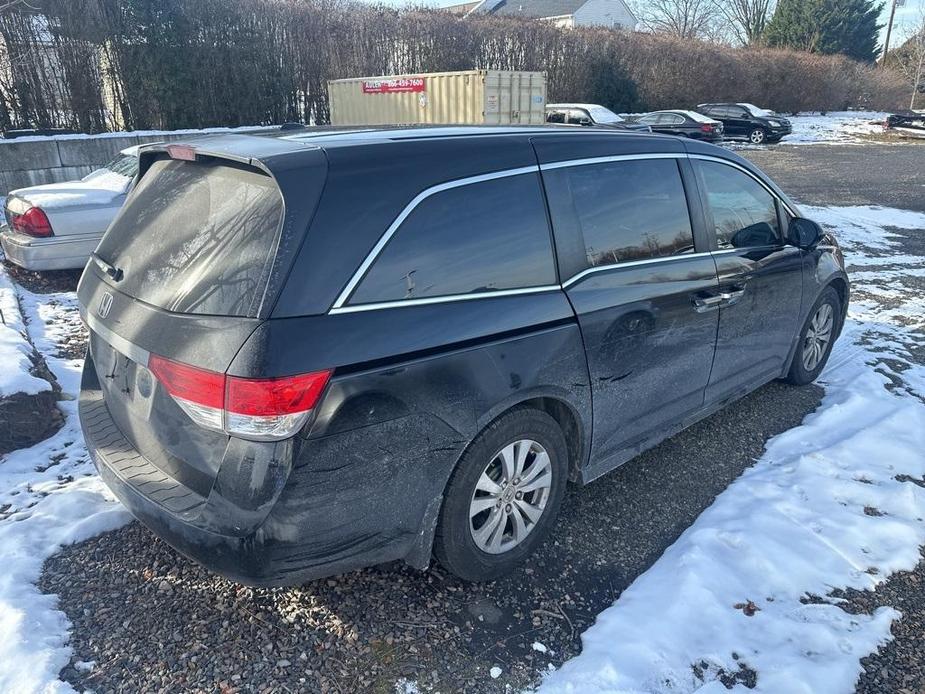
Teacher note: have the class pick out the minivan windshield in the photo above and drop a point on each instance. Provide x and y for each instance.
(197, 237)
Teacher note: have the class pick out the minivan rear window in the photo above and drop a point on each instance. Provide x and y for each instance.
(197, 237)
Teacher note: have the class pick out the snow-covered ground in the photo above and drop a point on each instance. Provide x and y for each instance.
(743, 591)
(15, 350)
(50, 495)
(844, 127)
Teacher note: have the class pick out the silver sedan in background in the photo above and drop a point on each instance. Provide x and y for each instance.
(57, 225)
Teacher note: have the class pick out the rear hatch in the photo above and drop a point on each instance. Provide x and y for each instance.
(186, 272)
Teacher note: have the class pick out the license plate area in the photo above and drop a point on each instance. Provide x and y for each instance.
(122, 379)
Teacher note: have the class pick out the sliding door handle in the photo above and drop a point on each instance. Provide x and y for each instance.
(729, 297)
(702, 304)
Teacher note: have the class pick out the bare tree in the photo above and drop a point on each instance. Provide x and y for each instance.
(746, 19)
(909, 58)
(686, 19)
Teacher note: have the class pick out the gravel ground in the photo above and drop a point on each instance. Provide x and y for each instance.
(42, 282)
(891, 175)
(153, 621)
(366, 629)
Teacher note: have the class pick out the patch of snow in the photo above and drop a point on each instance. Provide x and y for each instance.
(539, 647)
(844, 127)
(85, 665)
(743, 590)
(495, 672)
(406, 686)
(50, 496)
(103, 189)
(15, 350)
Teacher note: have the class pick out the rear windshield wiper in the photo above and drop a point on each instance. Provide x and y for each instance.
(114, 272)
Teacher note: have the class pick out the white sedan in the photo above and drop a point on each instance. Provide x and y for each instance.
(57, 225)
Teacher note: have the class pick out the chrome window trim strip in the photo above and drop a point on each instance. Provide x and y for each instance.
(339, 306)
(401, 303)
(117, 342)
(631, 263)
(408, 209)
(604, 160)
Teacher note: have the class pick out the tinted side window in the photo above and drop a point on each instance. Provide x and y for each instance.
(621, 211)
(480, 237)
(744, 212)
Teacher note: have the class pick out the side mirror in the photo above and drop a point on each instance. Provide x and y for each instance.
(804, 233)
(584, 121)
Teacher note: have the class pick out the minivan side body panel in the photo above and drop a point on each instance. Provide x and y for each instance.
(649, 349)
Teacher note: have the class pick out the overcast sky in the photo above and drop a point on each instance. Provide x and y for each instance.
(906, 17)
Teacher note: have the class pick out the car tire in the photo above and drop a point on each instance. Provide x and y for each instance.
(471, 505)
(758, 136)
(823, 321)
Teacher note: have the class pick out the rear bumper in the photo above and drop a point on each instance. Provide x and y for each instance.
(54, 253)
(327, 517)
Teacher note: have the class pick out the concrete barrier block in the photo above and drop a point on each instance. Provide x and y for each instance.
(12, 180)
(26, 156)
(71, 173)
(163, 137)
(93, 151)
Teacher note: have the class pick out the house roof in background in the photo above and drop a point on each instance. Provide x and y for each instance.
(533, 8)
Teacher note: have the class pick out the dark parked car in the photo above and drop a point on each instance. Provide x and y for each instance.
(747, 121)
(590, 114)
(315, 352)
(684, 124)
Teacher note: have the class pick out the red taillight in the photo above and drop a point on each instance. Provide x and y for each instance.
(32, 222)
(257, 408)
(185, 382)
(275, 396)
(707, 128)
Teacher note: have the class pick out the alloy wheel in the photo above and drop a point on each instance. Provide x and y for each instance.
(510, 496)
(818, 336)
(756, 137)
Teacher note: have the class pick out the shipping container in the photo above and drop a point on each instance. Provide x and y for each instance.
(489, 97)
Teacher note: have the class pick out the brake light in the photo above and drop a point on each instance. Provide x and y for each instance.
(32, 222)
(265, 409)
(707, 128)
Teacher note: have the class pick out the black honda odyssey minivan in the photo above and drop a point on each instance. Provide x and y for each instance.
(316, 351)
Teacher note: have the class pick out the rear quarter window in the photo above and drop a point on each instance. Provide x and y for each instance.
(197, 237)
(479, 237)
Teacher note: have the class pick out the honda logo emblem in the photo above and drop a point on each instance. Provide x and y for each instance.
(105, 305)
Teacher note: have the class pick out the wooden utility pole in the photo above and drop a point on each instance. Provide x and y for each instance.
(889, 29)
